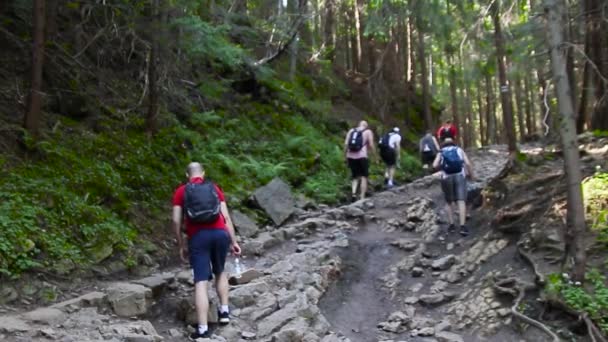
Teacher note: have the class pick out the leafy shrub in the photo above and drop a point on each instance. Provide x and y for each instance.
(592, 300)
(595, 194)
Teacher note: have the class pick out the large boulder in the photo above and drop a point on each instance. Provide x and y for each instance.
(243, 224)
(129, 300)
(276, 200)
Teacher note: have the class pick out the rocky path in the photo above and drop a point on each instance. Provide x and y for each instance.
(375, 270)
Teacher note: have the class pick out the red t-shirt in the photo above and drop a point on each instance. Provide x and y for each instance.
(193, 228)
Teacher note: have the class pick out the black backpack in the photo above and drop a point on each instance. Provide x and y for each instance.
(201, 202)
(355, 140)
(384, 141)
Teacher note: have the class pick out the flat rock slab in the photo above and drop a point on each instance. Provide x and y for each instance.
(12, 324)
(90, 299)
(48, 316)
(245, 226)
(156, 283)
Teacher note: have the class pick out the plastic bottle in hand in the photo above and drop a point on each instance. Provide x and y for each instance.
(237, 268)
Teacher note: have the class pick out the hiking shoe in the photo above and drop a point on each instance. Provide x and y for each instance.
(353, 198)
(451, 228)
(385, 181)
(464, 231)
(196, 335)
(223, 317)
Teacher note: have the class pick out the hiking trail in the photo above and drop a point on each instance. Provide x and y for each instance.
(373, 270)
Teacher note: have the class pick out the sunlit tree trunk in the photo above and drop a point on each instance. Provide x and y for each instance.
(520, 109)
(358, 48)
(426, 95)
(576, 211)
(329, 34)
(482, 132)
(490, 111)
(32, 119)
(505, 95)
(530, 123)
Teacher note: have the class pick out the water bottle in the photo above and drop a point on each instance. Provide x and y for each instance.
(237, 268)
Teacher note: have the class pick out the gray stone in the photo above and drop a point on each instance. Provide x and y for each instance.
(12, 324)
(175, 333)
(411, 300)
(276, 200)
(446, 336)
(156, 283)
(90, 299)
(48, 316)
(245, 277)
(428, 331)
(417, 272)
(128, 299)
(406, 245)
(247, 335)
(247, 294)
(443, 263)
(8, 294)
(430, 299)
(185, 277)
(245, 226)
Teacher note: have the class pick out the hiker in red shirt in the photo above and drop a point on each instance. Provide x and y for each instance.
(447, 130)
(201, 204)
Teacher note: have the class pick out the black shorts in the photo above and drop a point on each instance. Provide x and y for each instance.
(428, 157)
(358, 167)
(389, 156)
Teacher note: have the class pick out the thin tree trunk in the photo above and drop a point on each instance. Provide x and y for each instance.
(528, 105)
(153, 92)
(453, 91)
(469, 128)
(581, 117)
(32, 117)
(576, 210)
(490, 111)
(520, 109)
(482, 132)
(330, 29)
(426, 96)
(507, 105)
(358, 48)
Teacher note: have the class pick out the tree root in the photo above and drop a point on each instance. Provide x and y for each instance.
(539, 278)
(593, 331)
(518, 288)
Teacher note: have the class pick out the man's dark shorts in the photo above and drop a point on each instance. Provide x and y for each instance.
(454, 187)
(389, 156)
(208, 249)
(428, 157)
(358, 167)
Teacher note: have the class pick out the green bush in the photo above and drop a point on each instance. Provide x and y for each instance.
(591, 299)
(595, 194)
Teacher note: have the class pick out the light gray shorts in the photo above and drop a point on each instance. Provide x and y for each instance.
(454, 187)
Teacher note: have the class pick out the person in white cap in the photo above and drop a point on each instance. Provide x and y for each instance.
(390, 148)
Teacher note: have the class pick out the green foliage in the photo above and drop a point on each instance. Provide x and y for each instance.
(595, 194)
(591, 299)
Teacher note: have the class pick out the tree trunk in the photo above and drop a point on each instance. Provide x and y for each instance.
(597, 30)
(426, 96)
(469, 127)
(581, 117)
(51, 19)
(358, 48)
(490, 111)
(293, 47)
(453, 91)
(482, 132)
(153, 92)
(530, 124)
(329, 34)
(32, 117)
(520, 109)
(576, 211)
(505, 96)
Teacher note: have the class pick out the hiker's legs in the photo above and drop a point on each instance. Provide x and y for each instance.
(462, 212)
(354, 185)
(460, 195)
(391, 173)
(363, 187)
(448, 209)
(221, 286)
(219, 251)
(201, 301)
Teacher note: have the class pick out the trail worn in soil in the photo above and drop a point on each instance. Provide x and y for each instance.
(382, 269)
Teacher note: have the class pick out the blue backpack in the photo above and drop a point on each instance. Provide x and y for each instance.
(451, 161)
